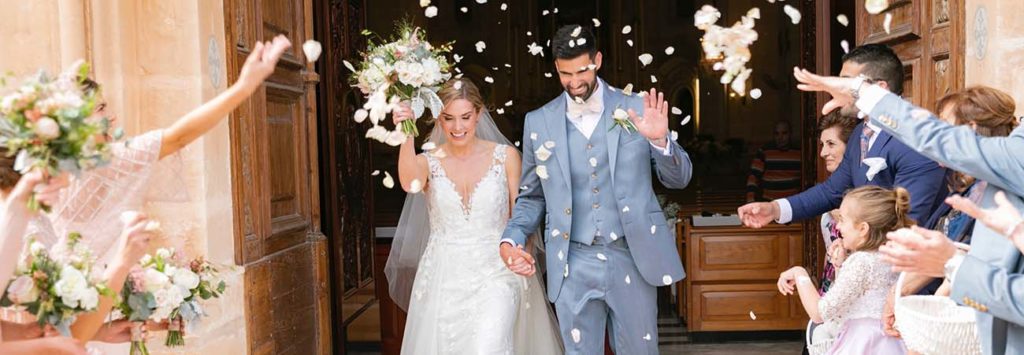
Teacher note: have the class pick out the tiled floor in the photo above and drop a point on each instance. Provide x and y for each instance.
(780, 348)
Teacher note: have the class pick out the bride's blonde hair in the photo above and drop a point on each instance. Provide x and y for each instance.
(461, 88)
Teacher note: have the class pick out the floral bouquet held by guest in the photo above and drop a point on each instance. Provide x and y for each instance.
(52, 124)
(56, 287)
(408, 69)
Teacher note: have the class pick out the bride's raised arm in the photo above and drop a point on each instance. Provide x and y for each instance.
(411, 167)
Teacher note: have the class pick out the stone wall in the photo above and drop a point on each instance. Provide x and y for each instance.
(995, 46)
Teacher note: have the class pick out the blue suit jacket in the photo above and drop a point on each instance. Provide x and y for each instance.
(991, 277)
(921, 176)
(631, 157)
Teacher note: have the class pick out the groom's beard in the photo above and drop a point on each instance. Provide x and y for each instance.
(587, 93)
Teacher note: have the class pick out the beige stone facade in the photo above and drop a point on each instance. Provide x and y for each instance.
(156, 60)
(995, 46)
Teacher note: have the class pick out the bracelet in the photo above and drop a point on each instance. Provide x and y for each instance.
(803, 280)
(855, 89)
(1013, 229)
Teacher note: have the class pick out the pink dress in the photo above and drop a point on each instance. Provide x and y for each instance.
(855, 302)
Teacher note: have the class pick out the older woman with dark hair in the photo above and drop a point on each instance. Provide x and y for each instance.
(835, 130)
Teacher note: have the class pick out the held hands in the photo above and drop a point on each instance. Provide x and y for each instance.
(517, 260)
(759, 214)
(262, 61)
(788, 279)
(653, 125)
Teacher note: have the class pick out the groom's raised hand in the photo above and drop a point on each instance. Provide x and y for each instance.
(653, 124)
(517, 260)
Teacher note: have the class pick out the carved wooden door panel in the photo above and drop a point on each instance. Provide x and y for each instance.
(928, 35)
(274, 178)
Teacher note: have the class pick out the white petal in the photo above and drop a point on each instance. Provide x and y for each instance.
(424, 3)
(361, 115)
(480, 46)
(504, 6)
(517, 143)
(845, 45)
(566, 272)
(576, 31)
(593, 162)
(647, 336)
(509, 103)
(481, 1)
(676, 111)
(793, 13)
(887, 23)
(627, 280)
(627, 29)
(876, 7)
(464, 9)
(549, 144)
(753, 316)
(597, 23)
(545, 13)
(529, 33)
(654, 229)
(489, 80)
(542, 172)
(500, 111)
(628, 90)
(613, 236)
(458, 58)
(572, 44)
(388, 181)
(555, 232)
(312, 50)
(375, 173)
(556, 10)
(629, 42)
(348, 65)
(666, 279)
(646, 59)
(755, 93)
(601, 257)
(754, 13)
(430, 12)
(670, 50)
(674, 134)
(685, 120)
(654, 79)
(533, 136)
(428, 146)
(547, 75)
(561, 255)
(577, 99)
(625, 209)
(575, 335)
(591, 66)
(581, 41)
(457, 85)
(843, 20)
(542, 154)
(415, 186)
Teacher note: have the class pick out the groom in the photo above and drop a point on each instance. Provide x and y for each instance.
(589, 178)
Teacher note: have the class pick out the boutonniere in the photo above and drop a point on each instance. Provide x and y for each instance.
(621, 118)
(875, 165)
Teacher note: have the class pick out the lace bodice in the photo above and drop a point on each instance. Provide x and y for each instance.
(486, 214)
(860, 289)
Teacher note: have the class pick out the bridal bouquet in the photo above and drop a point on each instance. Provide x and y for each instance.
(160, 290)
(56, 287)
(408, 68)
(729, 46)
(51, 123)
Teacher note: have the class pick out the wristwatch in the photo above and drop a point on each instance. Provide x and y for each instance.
(854, 88)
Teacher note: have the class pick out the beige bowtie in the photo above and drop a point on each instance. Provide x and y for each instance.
(576, 110)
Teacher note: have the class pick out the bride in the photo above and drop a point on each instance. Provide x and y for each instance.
(460, 297)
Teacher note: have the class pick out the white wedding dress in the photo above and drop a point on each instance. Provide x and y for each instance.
(464, 300)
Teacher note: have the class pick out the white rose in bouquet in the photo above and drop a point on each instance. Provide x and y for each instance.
(71, 286)
(154, 280)
(23, 290)
(432, 72)
(89, 298)
(410, 73)
(184, 277)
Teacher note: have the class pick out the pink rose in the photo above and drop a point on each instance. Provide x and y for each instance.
(33, 115)
(23, 290)
(47, 129)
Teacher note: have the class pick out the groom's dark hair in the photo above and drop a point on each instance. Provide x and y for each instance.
(560, 44)
(880, 63)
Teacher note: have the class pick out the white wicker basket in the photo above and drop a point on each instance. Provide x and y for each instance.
(935, 325)
(821, 347)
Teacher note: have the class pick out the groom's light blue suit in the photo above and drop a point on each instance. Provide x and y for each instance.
(607, 242)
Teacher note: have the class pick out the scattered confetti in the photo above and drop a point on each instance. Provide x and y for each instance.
(627, 280)
(561, 255)
(755, 93)
(654, 79)
(614, 237)
(348, 65)
(489, 80)
(843, 20)
(424, 3)
(627, 29)
(508, 65)
(375, 173)
(361, 115)
(581, 41)
(628, 90)
(576, 31)
(676, 111)
(646, 59)
(547, 75)
(529, 33)
(593, 162)
(481, 1)
(575, 334)
(887, 23)
(524, 187)
(647, 337)
(601, 257)
(430, 12)
(533, 136)
(458, 58)
(509, 103)
(572, 44)
(535, 49)
(654, 229)
(518, 143)
(542, 153)
(500, 111)
(845, 45)
(597, 23)
(685, 120)
(428, 146)
(504, 6)
(793, 13)
(670, 50)
(566, 272)
(457, 85)
(549, 144)
(312, 50)
(545, 13)
(674, 134)
(464, 9)
(625, 209)
(753, 316)
(480, 46)
(591, 66)
(666, 279)
(876, 7)
(629, 42)
(542, 172)
(388, 181)
(556, 10)
(415, 186)
(754, 13)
